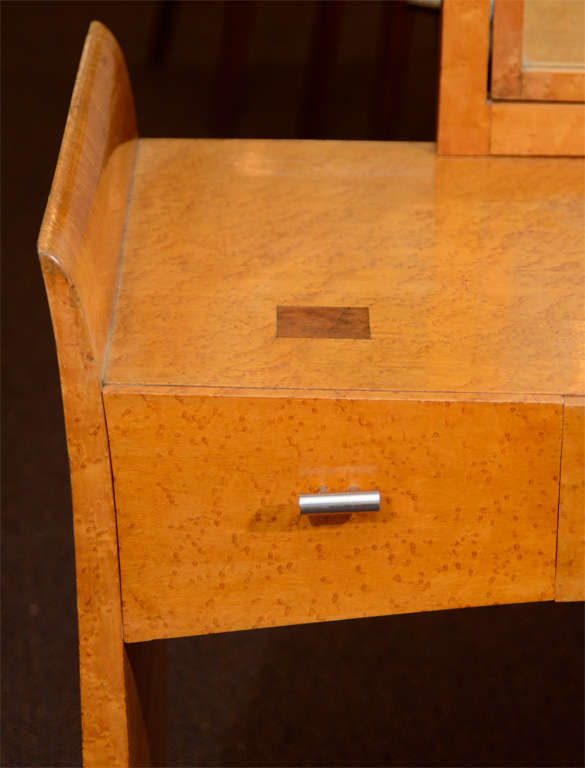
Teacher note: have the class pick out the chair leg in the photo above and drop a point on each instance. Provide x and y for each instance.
(146, 688)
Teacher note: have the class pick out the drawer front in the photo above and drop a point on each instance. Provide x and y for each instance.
(210, 535)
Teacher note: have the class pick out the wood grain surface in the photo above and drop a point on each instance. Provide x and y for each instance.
(471, 268)
(91, 182)
(211, 538)
(79, 248)
(570, 581)
(471, 272)
(550, 85)
(538, 129)
(508, 20)
(464, 115)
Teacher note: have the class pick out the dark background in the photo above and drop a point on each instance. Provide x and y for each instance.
(492, 686)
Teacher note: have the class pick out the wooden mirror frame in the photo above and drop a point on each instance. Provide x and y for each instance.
(470, 122)
(510, 80)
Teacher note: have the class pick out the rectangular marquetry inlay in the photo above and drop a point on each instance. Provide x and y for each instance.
(323, 322)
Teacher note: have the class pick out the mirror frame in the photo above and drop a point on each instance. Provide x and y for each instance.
(470, 121)
(509, 78)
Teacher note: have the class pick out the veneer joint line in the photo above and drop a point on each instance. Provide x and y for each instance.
(179, 385)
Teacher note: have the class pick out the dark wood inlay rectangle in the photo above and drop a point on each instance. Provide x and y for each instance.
(323, 322)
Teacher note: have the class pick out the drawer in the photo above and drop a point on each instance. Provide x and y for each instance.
(210, 535)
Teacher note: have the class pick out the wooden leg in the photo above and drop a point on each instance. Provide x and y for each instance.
(146, 687)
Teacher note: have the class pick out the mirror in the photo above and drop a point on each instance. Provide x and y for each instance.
(538, 50)
(554, 34)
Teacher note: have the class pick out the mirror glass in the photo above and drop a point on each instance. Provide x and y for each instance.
(554, 34)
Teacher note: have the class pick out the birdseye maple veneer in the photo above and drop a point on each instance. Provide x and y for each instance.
(451, 407)
(240, 322)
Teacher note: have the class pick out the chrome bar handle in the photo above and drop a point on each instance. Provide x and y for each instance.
(339, 503)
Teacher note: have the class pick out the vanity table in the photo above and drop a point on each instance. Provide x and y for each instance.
(246, 325)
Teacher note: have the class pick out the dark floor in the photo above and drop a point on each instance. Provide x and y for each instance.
(494, 687)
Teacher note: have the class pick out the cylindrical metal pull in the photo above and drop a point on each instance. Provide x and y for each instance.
(339, 503)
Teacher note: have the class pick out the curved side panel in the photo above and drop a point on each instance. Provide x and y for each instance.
(83, 226)
(79, 247)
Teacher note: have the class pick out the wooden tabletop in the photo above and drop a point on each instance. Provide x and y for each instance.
(470, 270)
